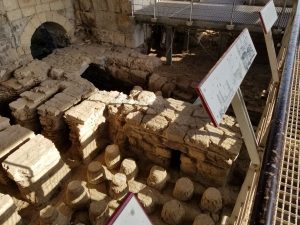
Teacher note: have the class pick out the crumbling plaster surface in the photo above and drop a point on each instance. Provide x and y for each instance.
(18, 21)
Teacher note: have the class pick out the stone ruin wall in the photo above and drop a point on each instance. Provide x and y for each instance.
(109, 22)
(18, 21)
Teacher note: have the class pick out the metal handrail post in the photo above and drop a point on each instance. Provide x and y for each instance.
(154, 9)
(132, 8)
(191, 11)
(232, 11)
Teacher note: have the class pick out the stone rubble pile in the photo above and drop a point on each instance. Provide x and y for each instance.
(86, 123)
(156, 128)
(37, 168)
(52, 111)
(24, 109)
(8, 211)
(11, 138)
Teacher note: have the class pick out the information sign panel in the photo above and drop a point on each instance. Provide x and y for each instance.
(129, 212)
(218, 88)
(268, 16)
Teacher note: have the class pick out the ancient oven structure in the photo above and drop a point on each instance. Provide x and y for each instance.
(86, 118)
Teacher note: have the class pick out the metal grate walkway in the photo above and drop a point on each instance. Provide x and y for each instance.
(206, 14)
(288, 199)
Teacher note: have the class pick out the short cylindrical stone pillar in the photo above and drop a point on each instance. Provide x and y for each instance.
(211, 200)
(129, 168)
(112, 156)
(148, 201)
(76, 195)
(95, 173)
(157, 178)
(203, 219)
(173, 212)
(118, 186)
(98, 212)
(184, 189)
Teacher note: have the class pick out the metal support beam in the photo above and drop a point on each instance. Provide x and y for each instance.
(243, 119)
(169, 45)
(272, 55)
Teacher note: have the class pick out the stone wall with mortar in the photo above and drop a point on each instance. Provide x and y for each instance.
(109, 21)
(18, 21)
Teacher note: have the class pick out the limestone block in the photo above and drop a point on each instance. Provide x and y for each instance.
(37, 175)
(198, 138)
(42, 8)
(173, 212)
(26, 3)
(155, 124)
(14, 15)
(187, 165)
(12, 137)
(176, 132)
(8, 211)
(28, 11)
(211, 200)
(56, 5)
(4, 123)
(203, 219)
(134, 118)
(184, 189)
(10, 5)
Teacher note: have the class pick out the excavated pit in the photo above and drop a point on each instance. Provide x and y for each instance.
(78, 105)
(103, 80)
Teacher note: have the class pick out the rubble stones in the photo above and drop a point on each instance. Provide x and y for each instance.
(211, 200)
(173, 212)
(184, 189)
(157, 178)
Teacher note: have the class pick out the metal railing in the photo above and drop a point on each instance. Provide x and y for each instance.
(264, 208)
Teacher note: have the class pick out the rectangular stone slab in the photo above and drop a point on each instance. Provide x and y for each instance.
(12, 137)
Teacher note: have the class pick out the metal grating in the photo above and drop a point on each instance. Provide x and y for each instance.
(288, 199)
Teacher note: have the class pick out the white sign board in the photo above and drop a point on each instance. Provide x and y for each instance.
(268, 16)
(218, 88)
(129, 212)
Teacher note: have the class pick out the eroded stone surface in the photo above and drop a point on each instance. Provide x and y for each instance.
(211, 200)
(37, 175)
(184, 189)
(8, 211)
(173, 212)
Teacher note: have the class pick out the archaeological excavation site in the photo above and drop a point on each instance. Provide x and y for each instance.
(137, 112)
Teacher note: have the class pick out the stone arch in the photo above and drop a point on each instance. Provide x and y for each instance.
(39, 19)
